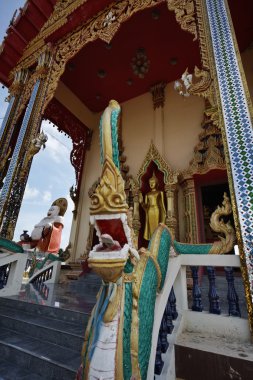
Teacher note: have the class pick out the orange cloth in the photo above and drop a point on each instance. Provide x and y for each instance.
(52, 241)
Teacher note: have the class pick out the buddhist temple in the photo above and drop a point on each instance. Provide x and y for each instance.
(156, 96)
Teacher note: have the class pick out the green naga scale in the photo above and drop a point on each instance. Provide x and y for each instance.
(118, 337)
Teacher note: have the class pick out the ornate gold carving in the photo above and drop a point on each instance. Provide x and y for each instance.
(158, 94)
(97, 27)
(58, 18)
(209, 152)
(153, 154)
(18, 82)
(203, 32)
(190, 215)
(42, 71)
(185, 15)
(33, 149)
(171, 220)
(132, 183)
(109, 196)
(218, 225)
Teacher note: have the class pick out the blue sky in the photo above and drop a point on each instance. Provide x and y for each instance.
(51, 174)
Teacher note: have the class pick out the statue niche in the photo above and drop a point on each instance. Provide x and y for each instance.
(152, 202)
(153, 206)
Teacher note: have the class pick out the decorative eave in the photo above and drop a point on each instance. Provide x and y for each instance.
(23, 28)
(38, 23)
(67, 15)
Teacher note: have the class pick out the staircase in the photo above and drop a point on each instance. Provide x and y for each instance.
(45, 342)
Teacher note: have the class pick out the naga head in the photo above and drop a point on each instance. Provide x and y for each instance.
(108, 211)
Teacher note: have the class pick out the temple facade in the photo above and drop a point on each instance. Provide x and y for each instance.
(182, 74)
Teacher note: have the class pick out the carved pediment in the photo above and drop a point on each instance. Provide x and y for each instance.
(170, 176)
(109, 196)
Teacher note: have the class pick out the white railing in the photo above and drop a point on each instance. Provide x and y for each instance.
(48, 274)
(17, 264)
(176, 278)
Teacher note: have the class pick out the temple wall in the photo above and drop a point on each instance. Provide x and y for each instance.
(74, 105)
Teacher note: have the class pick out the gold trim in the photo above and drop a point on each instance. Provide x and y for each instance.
(59, 17)
(218, 225)
(185, 15)
(119, 351)
(138, 276)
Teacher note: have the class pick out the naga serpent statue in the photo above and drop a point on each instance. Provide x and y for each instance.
(119, 333)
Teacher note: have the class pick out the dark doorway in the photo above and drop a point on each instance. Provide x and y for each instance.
(211, 197)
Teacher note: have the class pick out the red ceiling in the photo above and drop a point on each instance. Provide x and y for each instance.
(162, 39)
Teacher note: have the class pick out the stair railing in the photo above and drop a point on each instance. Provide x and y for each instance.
(173, 301)
(12, 267)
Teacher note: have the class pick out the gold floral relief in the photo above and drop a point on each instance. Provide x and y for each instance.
(185, 15)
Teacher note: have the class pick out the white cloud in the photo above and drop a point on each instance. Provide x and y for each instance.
(31, 192)
(57, 151)
(47, 196)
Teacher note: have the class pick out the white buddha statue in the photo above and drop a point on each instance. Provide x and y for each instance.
(46, 235)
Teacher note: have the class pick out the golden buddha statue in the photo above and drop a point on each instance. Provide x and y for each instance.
(154, 208)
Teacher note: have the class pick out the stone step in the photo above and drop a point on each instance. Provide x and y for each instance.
(45, 311)
(10, 372)
(67, 334)
(48, 360)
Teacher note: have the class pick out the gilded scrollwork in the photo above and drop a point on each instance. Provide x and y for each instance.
(185, 15)
(226, 244)
(109, 195)
(17, 85)
(34, 147)
(100, 26)
(58, 18)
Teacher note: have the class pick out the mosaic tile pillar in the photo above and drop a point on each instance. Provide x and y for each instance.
(238, 129)
(9, 121)
(15, 181)
(17, 150)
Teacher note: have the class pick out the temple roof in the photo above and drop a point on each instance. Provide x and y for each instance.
(101, 71)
